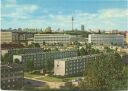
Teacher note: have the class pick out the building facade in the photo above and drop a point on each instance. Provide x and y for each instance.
(52, 38)
(15, 37)
(127, 37)
(41, 58)
(9, 37)
(15, 51)
(106, 39)
(73, 65)
(82, 27)
(12, 76)
(18, 51)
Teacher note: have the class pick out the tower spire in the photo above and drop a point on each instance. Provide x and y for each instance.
(72, 23)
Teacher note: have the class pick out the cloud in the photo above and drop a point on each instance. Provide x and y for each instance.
(107, 19)
(11, 9)
(114, 13)
(21, 15)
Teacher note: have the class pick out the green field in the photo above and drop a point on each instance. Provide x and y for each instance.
(29, 75)
(49, 78)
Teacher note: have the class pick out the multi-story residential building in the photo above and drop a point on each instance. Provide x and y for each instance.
(12, 76)
(52, 38)
(22, 50)
(73, 65)
(106, 39)
(26, 50)
(17, 51)
(127, 37)
(9, 37)
(15, 37)
(41, 58)
(24, 36)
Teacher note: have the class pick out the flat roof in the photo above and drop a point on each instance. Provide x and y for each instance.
(77, 57)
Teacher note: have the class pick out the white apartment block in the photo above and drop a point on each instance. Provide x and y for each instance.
(106, 39)
(53, 38)
(40, 58)
(8, 37)
(73, 65)
(127, 37)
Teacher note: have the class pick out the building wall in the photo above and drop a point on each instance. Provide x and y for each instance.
(6, 37)
(52, 38)
(127, 37)
(3, 52)
(11, 77)
(25, 36)
(108, 39)
(9, 37)
(72, 66)
(18, 51)
(41, 58)
(15, 37)
(59, 67)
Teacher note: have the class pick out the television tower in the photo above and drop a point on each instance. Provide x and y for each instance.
(72, 23)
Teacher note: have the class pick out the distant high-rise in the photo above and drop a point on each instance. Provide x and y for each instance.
(82, 27)
(48, 29)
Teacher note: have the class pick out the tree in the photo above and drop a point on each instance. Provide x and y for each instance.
(105, 72)
(7, 58)
(34, 45)
(37, 45)
(30, 65)
(107, 49)
(82, 51)
(17, 61)
(88, 46)
(49, 65)
(44, 43)
(56, 49)
(2, 58)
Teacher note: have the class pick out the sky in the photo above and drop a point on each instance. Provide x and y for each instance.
(93, 14)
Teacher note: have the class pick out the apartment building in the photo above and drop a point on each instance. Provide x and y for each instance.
(41, 58)
(127, 37)
(17, 51)
(53, 38)
(73, 65)
(22, 50)
(106, 39)
(11, 76)
(15, 37)
(9, 37)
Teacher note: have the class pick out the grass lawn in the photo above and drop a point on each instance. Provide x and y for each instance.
(49, 78)
(29, 75)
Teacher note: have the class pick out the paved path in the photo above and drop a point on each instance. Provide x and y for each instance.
(50, 84)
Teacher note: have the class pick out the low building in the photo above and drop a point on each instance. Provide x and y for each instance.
(12, 76)
(127, 38)
(24, 36)
(9, 37)
(53, 38)
(73, 65)
(106, 39)
(41, 58)
(15, 37)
